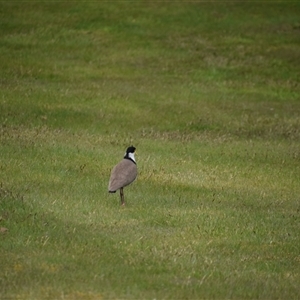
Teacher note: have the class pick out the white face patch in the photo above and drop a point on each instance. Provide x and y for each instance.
(131, 155)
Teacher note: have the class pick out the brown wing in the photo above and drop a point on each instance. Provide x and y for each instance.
(122, 174)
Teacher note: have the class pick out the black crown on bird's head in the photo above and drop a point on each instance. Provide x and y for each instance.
(130, 149)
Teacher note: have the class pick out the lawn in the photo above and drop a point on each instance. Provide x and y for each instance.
(208, 93)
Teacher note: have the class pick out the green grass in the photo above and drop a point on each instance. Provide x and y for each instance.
(209, 94)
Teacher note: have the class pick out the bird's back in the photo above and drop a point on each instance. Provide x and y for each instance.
(122, 174)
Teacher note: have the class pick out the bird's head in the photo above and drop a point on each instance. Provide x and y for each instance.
(130, 153)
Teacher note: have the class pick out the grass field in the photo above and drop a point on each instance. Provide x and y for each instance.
(208, 93)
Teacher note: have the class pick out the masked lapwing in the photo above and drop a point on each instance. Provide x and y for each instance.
(123, 173)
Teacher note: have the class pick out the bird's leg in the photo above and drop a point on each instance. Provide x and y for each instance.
(122, 197)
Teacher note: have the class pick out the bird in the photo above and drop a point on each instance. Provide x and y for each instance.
(123, 174)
